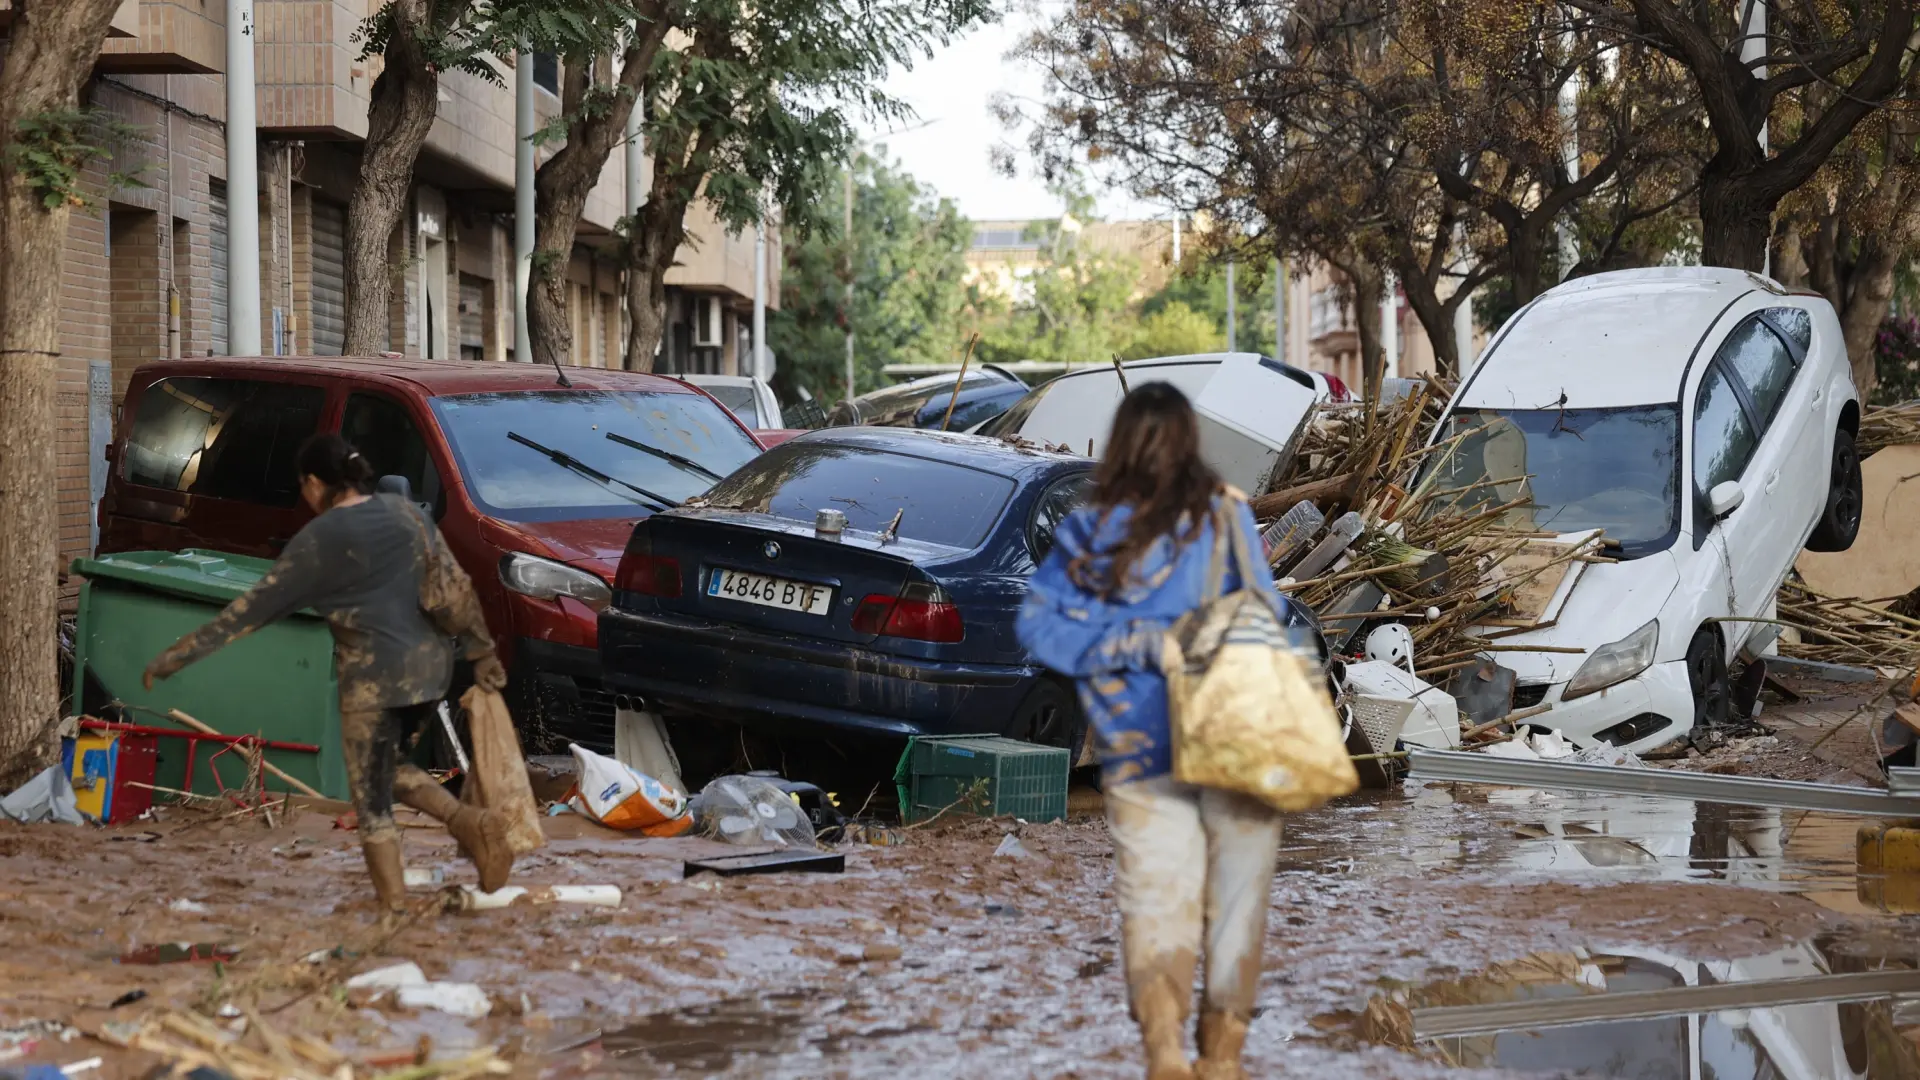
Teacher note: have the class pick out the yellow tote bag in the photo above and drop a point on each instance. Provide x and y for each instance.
(1249, 714)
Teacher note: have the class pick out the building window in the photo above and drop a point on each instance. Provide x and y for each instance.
(546, 71)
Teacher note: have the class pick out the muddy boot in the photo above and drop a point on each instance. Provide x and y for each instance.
(1222, 1034)
(1161, 1011)
(483, 839)
(382, 852)
(482, 834)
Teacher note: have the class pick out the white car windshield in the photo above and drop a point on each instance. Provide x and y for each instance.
(1566, 470)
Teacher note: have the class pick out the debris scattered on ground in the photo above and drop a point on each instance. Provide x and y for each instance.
(1846, 630)
(49, 796)
(818, 862)
(412, 989)
(1011, 848)
(621, 798)
(181, 953)
(23, 1038)
(470, 898)
(750, 810)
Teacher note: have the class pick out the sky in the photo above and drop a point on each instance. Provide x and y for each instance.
(952, 94)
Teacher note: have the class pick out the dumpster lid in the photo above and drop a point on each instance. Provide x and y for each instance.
(195, 572)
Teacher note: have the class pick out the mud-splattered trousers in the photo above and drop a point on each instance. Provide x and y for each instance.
(1193, 869)
(392, 595)
(1192, 866)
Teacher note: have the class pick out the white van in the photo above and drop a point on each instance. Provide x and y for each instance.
(1704, 420)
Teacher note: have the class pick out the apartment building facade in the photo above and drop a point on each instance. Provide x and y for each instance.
(146, 264)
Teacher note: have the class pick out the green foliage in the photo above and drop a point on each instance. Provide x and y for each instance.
(909, 292)
(750, 103)
(1073, 306)
(1202, 290)
(53, 150)
(1896, 360)
(1174, 329)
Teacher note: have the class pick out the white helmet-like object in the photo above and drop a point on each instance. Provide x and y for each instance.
(1391, 644)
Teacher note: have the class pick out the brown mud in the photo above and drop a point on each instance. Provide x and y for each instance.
(934, 955)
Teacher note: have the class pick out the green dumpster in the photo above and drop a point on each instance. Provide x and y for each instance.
(276, 683)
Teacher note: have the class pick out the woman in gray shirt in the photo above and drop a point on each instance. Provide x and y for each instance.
(397, 603)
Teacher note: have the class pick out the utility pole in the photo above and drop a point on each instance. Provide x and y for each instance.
(243, 187)
(847, 304)
(522, 198)
(1753, 46)
(1390, 328)
(1280, 310)
(1232, 336)
(759, 368)
(636, 161)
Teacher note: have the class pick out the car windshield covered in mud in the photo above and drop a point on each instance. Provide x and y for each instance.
(1566, 470)
(573, 453)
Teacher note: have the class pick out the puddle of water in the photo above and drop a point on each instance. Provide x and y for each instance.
(1641, 1015)
(707, 1038)
(1522, 835)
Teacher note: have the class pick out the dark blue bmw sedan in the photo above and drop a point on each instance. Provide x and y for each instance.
(745, 605)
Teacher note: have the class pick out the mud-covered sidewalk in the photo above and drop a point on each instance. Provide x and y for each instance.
(934, 955)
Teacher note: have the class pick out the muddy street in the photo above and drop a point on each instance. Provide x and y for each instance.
(938, 955)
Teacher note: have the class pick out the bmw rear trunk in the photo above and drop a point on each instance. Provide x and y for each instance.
(743, 610)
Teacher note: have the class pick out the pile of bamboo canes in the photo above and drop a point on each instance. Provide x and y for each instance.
(1882, 426)
(1846, 630)
(257, 1051)
(1368, 458)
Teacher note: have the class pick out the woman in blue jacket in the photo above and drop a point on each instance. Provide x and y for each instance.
(1192, 865)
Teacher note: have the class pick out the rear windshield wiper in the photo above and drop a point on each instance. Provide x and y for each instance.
(561, 457)
(666, 455)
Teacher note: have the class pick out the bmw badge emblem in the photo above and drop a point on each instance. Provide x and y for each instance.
(770, 549)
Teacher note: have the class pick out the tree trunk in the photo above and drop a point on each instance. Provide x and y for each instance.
(50, 55)
(1435, 315)
(1869, 296)
(656, 238)
(406, 97)
(563, 183)
(1369, 284)
(1734, 229)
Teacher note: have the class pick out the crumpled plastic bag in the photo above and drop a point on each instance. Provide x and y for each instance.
(47, 797)
(750, 810)
(620, 798)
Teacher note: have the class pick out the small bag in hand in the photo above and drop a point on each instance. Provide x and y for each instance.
(1249, 713)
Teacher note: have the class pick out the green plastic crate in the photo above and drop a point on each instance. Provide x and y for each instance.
(1024, 780)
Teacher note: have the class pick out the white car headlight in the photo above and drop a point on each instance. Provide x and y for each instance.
(544, 579)
(1615, 663)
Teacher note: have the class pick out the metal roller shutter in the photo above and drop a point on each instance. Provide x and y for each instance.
(217, 224)
(329, 278)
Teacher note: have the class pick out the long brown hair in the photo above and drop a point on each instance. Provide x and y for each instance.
(1153, 467)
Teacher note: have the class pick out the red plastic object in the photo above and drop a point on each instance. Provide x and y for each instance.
(139, 758)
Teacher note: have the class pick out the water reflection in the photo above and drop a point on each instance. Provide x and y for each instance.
(1678, 1018)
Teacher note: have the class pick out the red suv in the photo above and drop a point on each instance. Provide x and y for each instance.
(536, 486)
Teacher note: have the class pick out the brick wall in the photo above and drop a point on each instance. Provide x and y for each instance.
(122, 252)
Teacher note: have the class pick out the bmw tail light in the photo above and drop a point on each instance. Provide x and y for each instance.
(649, 575)
(1337, 389)
(643, 572)
(871, 616)
(922, 611)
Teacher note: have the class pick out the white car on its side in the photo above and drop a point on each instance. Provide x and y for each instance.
(1251, 408)
(1704, 420)
(746, 397)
